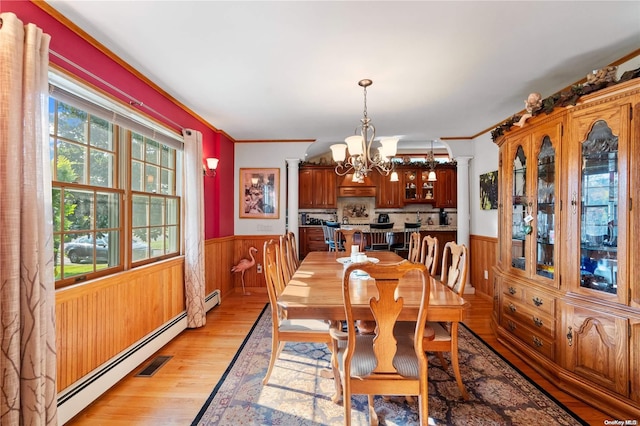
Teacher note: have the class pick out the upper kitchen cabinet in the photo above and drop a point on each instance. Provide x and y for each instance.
(419, 190)
(446, 187)
(317, 187)
(388, 193)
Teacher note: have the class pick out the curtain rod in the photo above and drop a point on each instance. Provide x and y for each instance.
(132, 101)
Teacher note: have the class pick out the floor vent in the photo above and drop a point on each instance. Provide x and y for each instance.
(154, 366)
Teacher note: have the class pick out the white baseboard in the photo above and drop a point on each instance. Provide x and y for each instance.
(212, 300)
(86, 390)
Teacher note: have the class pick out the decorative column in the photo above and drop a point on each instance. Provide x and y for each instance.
(292, 200)
(464, 218)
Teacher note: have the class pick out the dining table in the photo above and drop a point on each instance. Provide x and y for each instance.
(315, 291)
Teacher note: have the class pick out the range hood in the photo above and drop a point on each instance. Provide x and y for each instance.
(349, 188)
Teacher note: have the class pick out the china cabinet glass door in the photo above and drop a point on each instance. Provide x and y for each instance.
(599, 210)
(546, 201)
(520, 215)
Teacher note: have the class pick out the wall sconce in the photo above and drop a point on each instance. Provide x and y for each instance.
(210, 169)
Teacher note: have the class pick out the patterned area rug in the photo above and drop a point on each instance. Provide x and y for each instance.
(298, 394)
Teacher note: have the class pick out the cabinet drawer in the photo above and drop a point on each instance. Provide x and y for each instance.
(315, 237)
(536, 341)
(533, 319)
(513, 290)
(539, 300)
(366, 191)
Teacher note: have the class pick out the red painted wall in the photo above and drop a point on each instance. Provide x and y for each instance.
(218, 191)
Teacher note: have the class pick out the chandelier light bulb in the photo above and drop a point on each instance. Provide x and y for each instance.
(361, 161)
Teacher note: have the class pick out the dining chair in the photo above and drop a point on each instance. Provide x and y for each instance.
(414, 247)
(345, 238)
(286, 265)
(455, 266)
(329, 228)
(409, 228)
(429, 253)
(380, 363)
(293, 250)
(378, 236)
(285, 330)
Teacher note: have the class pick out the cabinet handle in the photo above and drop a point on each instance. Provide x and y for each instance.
(570, 336)
(512, 307)
(537, 342)
(537, 301)
(574, 202)
(512, 325)
(537, 321)
(512, 290)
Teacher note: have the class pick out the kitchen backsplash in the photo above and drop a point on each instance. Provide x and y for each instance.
(355, 210)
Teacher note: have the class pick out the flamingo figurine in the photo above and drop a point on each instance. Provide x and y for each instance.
(245, 264)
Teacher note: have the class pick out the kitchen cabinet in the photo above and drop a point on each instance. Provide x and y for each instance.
(388, 194)
(317, 187)
(417, 189)
(446, 187)
(568, 299)
(311, 239)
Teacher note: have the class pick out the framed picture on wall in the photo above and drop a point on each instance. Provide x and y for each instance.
(489, 191)
(259, 193)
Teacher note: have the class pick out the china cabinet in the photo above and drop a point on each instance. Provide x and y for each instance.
(567, 293)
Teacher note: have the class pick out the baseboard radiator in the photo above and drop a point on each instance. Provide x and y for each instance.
(78, 396)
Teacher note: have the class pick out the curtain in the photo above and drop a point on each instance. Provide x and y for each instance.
(194, 229)
(27, 298)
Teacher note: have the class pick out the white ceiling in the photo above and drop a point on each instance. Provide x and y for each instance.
(289, 70)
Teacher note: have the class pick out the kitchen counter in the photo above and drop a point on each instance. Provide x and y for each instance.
(365, 227)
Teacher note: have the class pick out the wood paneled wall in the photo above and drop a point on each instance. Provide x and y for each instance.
(96, 322)
(222, 254)
(482, 253)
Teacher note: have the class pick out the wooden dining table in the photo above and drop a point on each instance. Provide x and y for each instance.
(315, 292)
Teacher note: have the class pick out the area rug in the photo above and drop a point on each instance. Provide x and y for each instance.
(299, 390)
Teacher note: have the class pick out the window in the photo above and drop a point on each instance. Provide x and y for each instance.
(115, 202)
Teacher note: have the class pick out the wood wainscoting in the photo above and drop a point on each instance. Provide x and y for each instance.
(220, 256)
(97, 321)
(108, 327)
(482, 253)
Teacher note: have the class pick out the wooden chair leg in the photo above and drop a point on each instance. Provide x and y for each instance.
(337, 380)
(276, 348)
(443, 361)
(347, 407)
(454, 360)
(373, 417)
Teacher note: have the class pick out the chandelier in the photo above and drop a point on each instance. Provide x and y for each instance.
(431, 163)
(361, 160)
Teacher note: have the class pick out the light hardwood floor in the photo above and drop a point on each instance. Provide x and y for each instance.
(175, 394)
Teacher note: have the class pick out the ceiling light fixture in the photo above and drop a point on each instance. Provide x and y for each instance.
(431, 163)
(361, 160)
